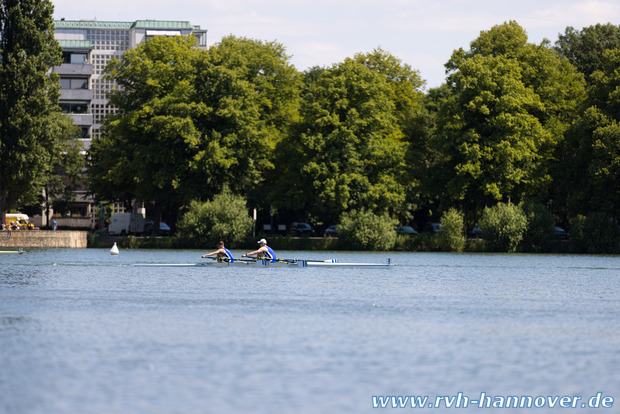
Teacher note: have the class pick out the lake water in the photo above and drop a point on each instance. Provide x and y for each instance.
(82, 331)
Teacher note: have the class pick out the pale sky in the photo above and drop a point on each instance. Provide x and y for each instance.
(422, 33)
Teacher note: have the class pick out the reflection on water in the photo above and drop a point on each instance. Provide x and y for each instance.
(84, 331)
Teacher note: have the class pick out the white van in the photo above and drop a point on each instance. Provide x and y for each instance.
(122, 224)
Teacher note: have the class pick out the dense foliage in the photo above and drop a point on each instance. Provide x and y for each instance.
(223, 218)
(365, 230)
(521, 136)
(508, 105)
(503, 226)
(452, 235)
(191, 121)
(540, 232)
(348, 151)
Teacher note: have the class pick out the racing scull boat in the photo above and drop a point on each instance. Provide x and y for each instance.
(288, 263)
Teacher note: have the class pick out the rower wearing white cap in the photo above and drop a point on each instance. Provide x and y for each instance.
(263, 251)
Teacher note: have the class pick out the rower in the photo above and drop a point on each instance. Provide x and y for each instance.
(223, 254)
(263, 251)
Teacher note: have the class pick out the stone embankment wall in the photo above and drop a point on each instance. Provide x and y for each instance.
(43, 239)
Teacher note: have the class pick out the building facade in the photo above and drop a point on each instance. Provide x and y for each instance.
(88, 46)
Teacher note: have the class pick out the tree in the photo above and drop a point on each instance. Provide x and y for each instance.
(503, 226)
(585, 48)
(348, 150)
(251, 91)
(406, 87)
(539, 235)
(191, 121)
(29, 111)
(149, 149)
(223, 218)
(364, 230)
(510, 103)
(452, 234)
(588, 172)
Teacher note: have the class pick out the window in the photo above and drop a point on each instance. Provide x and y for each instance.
(73, 57)
(74, 108)
(74, 83)
(84, 131)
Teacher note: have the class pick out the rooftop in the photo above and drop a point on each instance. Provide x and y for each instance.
(76, 44)
(138, 24)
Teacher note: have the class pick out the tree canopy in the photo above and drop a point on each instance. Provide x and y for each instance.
(348, 150)
(508, 105)
(585, 48)
(515, 121)
(192, 121)
(31, 128)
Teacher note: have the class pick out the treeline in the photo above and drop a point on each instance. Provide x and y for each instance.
(359, 142)
(515, 122)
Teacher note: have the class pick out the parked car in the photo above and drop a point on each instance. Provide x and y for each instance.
(407, 230)
(433, 227)
(476, 232)
(331, 231)
(149, 226)
(301, 229)
(560, 233)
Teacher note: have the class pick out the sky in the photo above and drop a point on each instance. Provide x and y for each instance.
(422, 33)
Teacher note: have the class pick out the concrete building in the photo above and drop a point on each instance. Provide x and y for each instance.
(88, 46)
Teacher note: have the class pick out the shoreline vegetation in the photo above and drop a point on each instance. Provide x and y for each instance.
(422, 242)
(520, 144)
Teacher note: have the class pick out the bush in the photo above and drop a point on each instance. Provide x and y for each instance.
(452, 235)
(363, 230)
(224, 218)
(595, 233)
(539, 235)
(503, 227)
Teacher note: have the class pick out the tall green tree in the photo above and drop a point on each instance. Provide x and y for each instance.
(150, 148)
(29, 111)
(589, 169)
(510, 104)
(348, 150)
(251, 91)
(406, 86)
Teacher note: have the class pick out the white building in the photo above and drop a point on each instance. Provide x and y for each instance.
(88, 46)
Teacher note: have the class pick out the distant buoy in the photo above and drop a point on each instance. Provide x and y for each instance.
(114, 250)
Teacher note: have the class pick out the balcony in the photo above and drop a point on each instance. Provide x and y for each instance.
(74, 69)
(81, 119)
(76, 94)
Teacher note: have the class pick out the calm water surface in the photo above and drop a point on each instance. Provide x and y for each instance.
(82, 331)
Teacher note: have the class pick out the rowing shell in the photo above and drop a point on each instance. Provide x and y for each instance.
(20, 251)
(267, 263)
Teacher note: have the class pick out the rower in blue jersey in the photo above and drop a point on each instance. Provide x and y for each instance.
(263, 252)
(222, 253)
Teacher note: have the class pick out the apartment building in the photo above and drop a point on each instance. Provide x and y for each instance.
(88, 46)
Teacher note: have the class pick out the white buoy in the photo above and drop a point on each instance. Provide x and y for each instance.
(114, 250)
